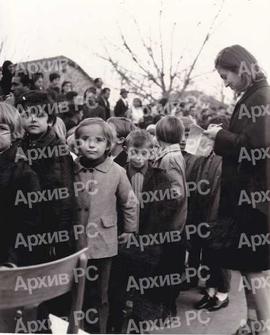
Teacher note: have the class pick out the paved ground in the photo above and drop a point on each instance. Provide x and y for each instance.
(224, 321)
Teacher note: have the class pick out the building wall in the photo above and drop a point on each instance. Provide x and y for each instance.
(67, 68)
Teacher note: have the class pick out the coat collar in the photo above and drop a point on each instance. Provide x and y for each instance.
(125, 101)
(252, 89)
(249, 92)
(45, 140)
(169, 149)
(148, 172)
(131, 171)
(103, 167)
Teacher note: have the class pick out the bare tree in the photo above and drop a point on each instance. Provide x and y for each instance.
(157, 70)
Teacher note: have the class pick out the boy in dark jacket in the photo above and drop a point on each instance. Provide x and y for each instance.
(19, 219)
(49, 157)
(202, 212)
(156, 203)
(16, 177)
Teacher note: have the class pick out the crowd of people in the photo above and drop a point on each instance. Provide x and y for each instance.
(151, 211)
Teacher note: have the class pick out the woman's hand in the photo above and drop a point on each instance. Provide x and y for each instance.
(212, 131)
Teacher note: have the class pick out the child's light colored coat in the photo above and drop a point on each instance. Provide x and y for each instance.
(98, 191)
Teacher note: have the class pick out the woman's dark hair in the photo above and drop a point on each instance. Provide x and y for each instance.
(240, 61)
(5, 67)
(7, 77)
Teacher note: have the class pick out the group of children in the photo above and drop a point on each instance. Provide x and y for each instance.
(119, 169)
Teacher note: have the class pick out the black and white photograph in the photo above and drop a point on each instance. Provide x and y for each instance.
(135, 167)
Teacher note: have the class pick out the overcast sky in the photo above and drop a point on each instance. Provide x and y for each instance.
(79, 29)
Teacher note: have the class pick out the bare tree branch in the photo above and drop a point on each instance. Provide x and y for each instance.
(126, 76)
(206, 39)
(161, 53)
(155, 73)
(149, 49)
(172, 76)
(138, 62)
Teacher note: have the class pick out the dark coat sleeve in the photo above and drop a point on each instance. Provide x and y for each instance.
(58, 210)
(26, 218)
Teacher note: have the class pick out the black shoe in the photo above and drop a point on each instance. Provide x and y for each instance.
(216, 304)
(204, 302)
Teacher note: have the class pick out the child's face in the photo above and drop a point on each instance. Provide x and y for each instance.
(55, 82)
(139, 156)
(39, 83)
(35, 122)
(67, 87)
(5, 137)
(92, 142)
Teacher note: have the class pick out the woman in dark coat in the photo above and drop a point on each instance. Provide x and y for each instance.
(246, 175)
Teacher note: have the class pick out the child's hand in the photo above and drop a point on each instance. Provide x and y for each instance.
(124, 237)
